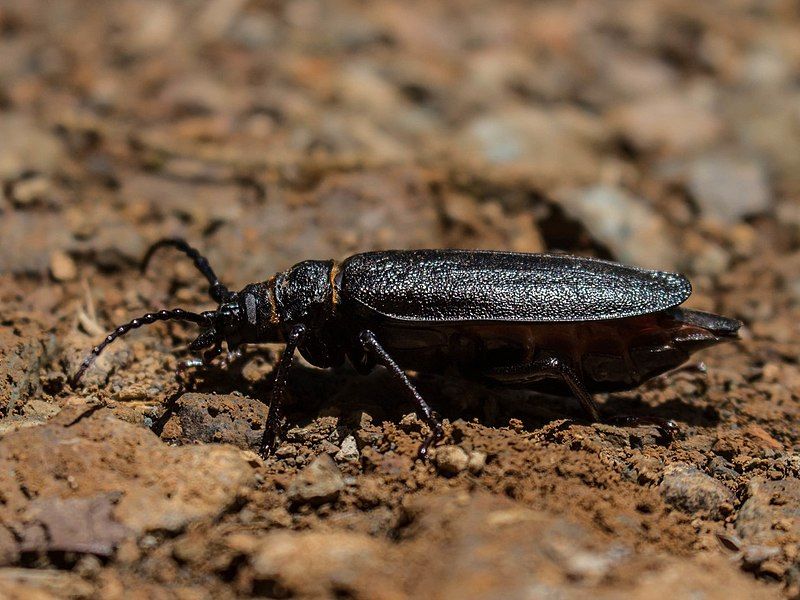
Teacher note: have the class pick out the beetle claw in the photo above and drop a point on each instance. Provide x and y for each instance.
(667, 428)
(436, 434)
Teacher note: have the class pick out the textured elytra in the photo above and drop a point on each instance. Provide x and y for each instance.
(461, 285)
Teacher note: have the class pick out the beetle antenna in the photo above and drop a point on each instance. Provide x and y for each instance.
(176, 314)
(216, 289)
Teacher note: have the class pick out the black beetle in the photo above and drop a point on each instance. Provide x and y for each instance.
(553, 322)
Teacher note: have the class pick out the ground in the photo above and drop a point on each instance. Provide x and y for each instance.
(661, 133)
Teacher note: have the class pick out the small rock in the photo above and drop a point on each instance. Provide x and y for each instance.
(728, 189)
(451, 460)
(39, 410)
(705, 256)
(348, 451)
(671, 123)
(62, 267)
(132, 393)
(21, 357)
(531, 144)
(323, 564)
(26, 147)
(220, 418)
(477, 462)
(692, 491)
(590, 566)
(72, 525)
(767, 504)
(318, 483)
(754, 555)
(626, 225)
(722, 469)
(29, 238)
(28, 190)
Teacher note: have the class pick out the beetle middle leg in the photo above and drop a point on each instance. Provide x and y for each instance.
(205, 362)
(548, 367)
(371, 344)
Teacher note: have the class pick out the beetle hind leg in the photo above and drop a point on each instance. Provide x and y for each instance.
(556, 368)
(372, 346)
(544, 368)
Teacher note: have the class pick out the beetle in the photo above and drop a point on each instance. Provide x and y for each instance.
(553, 322)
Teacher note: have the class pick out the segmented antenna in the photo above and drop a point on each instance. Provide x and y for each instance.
(176, 314)
(216, 289)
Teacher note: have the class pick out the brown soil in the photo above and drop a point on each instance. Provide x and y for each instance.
(662, 133)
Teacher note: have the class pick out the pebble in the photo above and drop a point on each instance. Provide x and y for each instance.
(320, 564)
(626, 225)
(220, 418)
(29, 238)
(451, 460)
(690, 490)
(348, 451)
(477, 462)
(21, 357)
(727, 189)
(28, 190)
(705, 257)
(318, 483)
(62, 267)
(26, 147)
(530, 143)
(768, 504)
(670, 123)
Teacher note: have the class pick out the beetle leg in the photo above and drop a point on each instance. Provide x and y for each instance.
(371, 344)
(550, 366)
(667, 428)
(184, 366)
(293, 340)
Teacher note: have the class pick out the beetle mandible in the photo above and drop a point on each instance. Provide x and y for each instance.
(553, 322)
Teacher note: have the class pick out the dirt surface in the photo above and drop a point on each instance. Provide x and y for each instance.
(662, 133)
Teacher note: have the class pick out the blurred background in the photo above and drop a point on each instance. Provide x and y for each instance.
(660, 133)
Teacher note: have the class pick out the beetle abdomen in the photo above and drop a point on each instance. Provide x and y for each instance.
(460, 285)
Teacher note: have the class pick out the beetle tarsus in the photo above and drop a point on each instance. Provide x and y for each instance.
(182, 372)
(277, 396)
(667, 428)
(371, 345)
(436, 434)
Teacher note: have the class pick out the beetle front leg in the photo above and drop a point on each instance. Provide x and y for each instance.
(294, 339)
(371, 344)
(188, 364)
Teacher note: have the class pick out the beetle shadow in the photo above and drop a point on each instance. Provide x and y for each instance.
(343, 393)
(493, 406)
(679, 410)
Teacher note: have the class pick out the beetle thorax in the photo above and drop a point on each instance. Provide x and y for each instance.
(305, 293)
